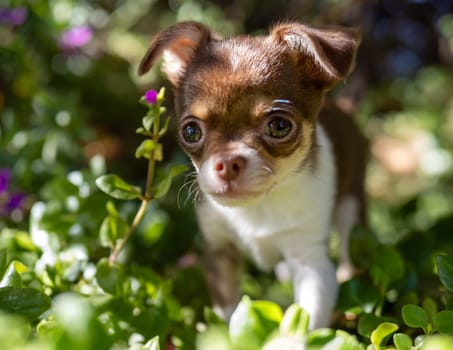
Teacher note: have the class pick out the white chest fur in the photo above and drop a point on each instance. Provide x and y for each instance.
(298, 209)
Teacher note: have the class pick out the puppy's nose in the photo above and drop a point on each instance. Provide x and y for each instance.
(229, 167)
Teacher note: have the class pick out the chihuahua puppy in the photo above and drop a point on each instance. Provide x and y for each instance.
(273, 171)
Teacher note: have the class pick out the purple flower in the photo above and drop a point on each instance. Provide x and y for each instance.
(15, 201)
(151, 96)
(76, 37)
(5, 176)
(11, 203)
(13, 16)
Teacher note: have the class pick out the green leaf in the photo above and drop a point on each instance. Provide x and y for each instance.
(329, 339)
(28, 302)
(344, 341)
(382, 332)
(158, 153)
(146, 149)
(145, 317)
(24, 241)
(111, 209)
(387, 267)
(443, 322)
(419, 340)
(402, 341)
(164, 129)
(164, 186)
(117, 188)
(363, 246)
(153, 225)
(142, 131)
(317, 338)
(367, 324)
(445, 271)
(161, 95)
(358, 296)
(436, 342)
(415, 316)
(15, 333)
(430, 307)
(252, 322)
(109, 277)
(295, 321)
(153, 344)
(113, 228)
(77, 326)
(148, 121)
(11, 277)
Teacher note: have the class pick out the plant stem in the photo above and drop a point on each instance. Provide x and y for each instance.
(138, 217)
(150, 175)
(140, 213)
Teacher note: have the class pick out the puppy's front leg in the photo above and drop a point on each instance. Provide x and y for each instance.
(315, 285)
(222, 264)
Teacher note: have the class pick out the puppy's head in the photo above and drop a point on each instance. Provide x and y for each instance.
(248, 105)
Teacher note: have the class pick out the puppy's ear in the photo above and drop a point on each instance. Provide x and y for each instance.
(176, 45)
(326, 56)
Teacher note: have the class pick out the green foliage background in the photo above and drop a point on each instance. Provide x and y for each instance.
(69, 113)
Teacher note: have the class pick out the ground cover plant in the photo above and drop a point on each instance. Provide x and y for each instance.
(98, 242)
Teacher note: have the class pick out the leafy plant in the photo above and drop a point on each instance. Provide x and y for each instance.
(115, 232)
(109, 301)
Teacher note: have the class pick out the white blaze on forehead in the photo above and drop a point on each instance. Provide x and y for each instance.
(245, 59)
(240, 56)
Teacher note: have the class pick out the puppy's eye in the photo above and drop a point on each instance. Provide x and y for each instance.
(279, 128)
(191, 132)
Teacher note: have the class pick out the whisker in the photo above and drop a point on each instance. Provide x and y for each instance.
(257, 150)
(178, 197)
(267, 169)
(189, 181)
(194, 191)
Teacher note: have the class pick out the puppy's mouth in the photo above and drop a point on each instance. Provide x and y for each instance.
(229, 194)
(230, 198)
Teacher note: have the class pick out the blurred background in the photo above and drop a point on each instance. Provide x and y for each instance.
(69, 111)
